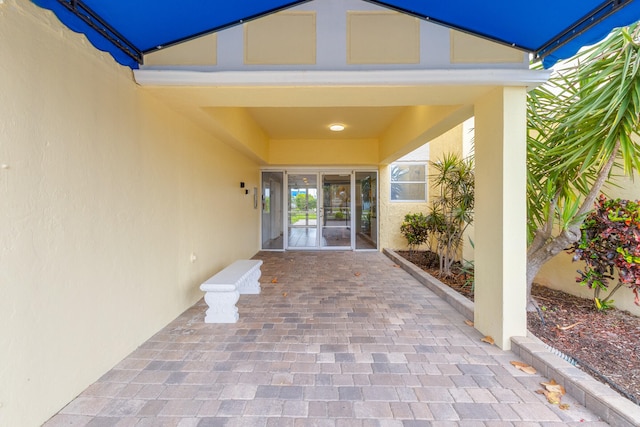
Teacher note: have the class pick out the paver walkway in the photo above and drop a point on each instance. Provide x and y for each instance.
(340, 339)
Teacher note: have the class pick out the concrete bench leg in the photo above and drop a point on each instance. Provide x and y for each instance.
(250, 282)
(221, 300)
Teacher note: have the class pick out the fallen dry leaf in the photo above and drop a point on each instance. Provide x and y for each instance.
(553, 398)
(553, 392)
(396, 266)
(358, 273)
(554, 387)
(488, 339)
(284, 294)
(566, 328)
(527, 369)
(468, 322)
(275, 280)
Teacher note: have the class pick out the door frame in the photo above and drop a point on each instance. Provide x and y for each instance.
(322, 215)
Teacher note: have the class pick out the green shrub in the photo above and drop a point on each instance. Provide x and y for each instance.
(414, 228)
(610, 241)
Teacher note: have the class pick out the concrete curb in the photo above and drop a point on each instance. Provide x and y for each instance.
(457, 301)
(599, 398)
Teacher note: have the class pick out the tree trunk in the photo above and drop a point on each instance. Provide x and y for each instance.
(538, 258)
(544, 246)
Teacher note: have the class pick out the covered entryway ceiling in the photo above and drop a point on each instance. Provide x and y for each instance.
(311, 122)
(549, 29)
(401, 109)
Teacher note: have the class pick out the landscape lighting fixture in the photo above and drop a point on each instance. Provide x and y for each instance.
(336, 127)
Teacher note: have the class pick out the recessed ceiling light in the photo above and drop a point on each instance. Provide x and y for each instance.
(336, 127)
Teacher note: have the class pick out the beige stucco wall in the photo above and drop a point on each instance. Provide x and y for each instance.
(392, 213)
(105, 195)
(560, 272)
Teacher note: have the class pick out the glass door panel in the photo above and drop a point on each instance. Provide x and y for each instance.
(302, 211)
(272, 220)
(366, 204)
(336, 210)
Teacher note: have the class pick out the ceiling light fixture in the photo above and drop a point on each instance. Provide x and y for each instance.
(336, 127)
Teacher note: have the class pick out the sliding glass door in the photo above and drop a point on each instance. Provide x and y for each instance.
(336, 211)
(319, 210)
(302, 211)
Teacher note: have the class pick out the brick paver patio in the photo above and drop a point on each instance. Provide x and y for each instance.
(334, 339)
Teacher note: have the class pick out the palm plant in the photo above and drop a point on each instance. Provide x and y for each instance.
(582, 123)
(452, 210)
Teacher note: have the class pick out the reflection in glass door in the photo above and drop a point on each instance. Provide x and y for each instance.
(366, 204)
(336, 210)
(302, 211)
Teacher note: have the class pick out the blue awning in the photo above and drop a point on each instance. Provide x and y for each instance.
(550, 29)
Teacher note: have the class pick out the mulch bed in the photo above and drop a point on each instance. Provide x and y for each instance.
(604, 344)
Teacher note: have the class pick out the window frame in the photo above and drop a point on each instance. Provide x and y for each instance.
(425, 165)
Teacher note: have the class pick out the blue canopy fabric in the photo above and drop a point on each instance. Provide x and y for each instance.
(550, 29)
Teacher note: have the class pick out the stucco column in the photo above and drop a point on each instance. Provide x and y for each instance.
(500, 215)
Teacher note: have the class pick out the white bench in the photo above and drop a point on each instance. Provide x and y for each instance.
(223, 290)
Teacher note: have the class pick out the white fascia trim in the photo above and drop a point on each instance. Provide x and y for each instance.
(468, 77)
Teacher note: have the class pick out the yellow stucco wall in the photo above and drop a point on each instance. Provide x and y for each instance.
(415, 126)
(106, 194)
(382, 37)
(392, 213)
(281, 38)
(235, 127)
(323, 152)
(200, 51)
(560, 272)
(468, 49)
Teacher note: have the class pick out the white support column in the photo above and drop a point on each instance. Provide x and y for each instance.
(500, 214)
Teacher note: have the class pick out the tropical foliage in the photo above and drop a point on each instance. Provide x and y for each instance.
(414, 228)
(582, 124)
(452, 210)
(450, 215)
(610, 242)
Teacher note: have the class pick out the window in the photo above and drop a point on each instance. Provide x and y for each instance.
(408, 182)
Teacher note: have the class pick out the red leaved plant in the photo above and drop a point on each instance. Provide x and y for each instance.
(610, 241)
